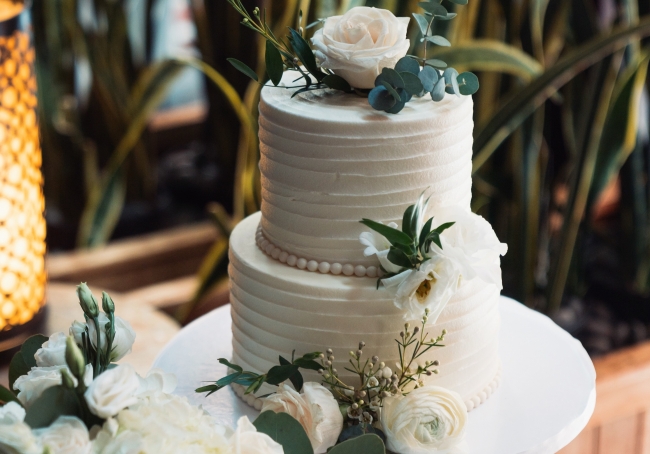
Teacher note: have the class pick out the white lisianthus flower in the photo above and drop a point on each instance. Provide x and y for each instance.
(471, 243)
(431, 287)
(124, 336)
(377, 244)
(15, 436)
(76, 330)
(362, 42)
(157, 380)
(67, 435)
(31, 386)
(113, 391)
(315, 409)
(247, 440)
(52, 352)
(428, 419)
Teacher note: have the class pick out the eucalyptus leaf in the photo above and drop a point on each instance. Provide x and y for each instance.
(274, 64)
(405, 97)
(423, 23)
(243, 68)
(459, 2)
(337, 83)
(439, 40)
(366, 444)
(435, 62)
(407, 64)
(451, 81)
(7, 396)
(358, 430)
(306, 55)
(54, 402)
(412, 84)
(468, 83)
(285, 430)
(234, 367)
(399, 258)
(380, 98)
(393, 92)
(391, 77)
(438, 92)
(428, 76)
(449, 16)
(433, 8)
(394, 236)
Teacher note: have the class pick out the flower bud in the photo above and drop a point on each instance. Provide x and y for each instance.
(407, 326)
(359, 353)
(331, 357)
(355, 406)
(436, 363)
(74, 358)
(328, 363)
(362, 393)
(87, 301)
(361, 345)
(382, 365)
(67, 380)
(329, 351)
(444, 332)
(107, 303)
(429, 373)
(375, 359)
(321, 356)
(401, 334)
(416, 330)
(334, 371)
(352, 354)
(320, 371)
(427, 311)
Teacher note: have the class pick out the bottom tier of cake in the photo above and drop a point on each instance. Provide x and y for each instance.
(277, 308)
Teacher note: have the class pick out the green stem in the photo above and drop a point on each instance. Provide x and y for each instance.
(97, 365)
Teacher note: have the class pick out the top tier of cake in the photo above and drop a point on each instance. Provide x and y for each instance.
(328, 159)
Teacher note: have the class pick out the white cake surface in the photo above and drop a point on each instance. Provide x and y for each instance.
(277, 309)
(328, 159)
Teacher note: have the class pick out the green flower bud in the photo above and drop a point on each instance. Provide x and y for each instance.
(87, 301)
(107, 303)
(74, 358)
(66, 379)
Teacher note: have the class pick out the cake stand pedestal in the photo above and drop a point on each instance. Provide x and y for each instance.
(546, 397)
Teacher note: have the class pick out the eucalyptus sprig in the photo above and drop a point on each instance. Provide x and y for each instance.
(410, 246)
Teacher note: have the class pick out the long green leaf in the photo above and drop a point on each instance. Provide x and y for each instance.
(522, 103)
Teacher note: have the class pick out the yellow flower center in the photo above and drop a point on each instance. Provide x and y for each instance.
(424, 289)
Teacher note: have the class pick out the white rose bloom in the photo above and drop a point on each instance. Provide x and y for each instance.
(431, 287)
(315, 409)
(37, 380)
(67, 435)
(247, 440)
(113, 391)
(157, 380)
(471, 243)
(428, 419)
(124, 336)
(359, 44)
(15, 436)
(52, 352)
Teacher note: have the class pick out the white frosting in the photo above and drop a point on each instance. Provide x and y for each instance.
(328, 159)
(277, 308)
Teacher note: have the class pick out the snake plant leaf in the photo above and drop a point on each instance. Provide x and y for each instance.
(243, 68)
(423, 23)
(467, 83)
(408, 64)
(439, 40)
(380, 98)
(489, 55)
(522, 103)
(274, 64)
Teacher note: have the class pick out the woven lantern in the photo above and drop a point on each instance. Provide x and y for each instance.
(22, 225)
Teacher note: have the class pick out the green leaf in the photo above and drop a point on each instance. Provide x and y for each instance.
(396, 96)
(7, 396)
(309, 364)
(426, 229)
(286, 431)
(274, 64)
(17, 368)
(436, 63)
(255, 385)
(228, 379)
(412, 83)
(451, 81)
(380, 98)
(423, 23)
(404, 97)
(305, 54)
(394, 236)
(409, 65)
(54, 402)
(408, 221)
(467, 83)
(434, 8)
(399, 258)
(243, 68)
(438, 92)
(30, 347)
(428, 76)
(442, 227)
(312, 355)
(278, 374)
(366, 444)
(297, 381)
(234, 367)
(439, 40)
(392, 77)
(459, 2)
(337, 83)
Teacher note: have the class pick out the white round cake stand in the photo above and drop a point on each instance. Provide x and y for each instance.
(546, 397)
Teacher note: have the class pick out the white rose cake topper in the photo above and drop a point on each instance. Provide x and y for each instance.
(363, 51)
(362, 42)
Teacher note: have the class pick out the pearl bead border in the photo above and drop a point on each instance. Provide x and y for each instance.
(302, 263)
(471, 404)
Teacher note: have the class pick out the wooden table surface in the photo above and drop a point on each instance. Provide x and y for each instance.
(153, 328)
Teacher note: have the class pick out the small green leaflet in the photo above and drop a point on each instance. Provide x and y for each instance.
(243, 68)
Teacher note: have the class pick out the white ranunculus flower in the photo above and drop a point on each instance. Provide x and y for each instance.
(157, 380)
(431, 287)
(52, 352)
(359, 44)
(471, 243)
(124, 336)
(113, 391)
(428, 419)
(15, 436)
(31, 386)
(315, 409)
(126, 442)
(247, 440)
(67, 435)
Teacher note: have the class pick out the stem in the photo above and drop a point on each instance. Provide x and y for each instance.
(97, 370)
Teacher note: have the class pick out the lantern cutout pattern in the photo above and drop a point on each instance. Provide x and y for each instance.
(22, 225)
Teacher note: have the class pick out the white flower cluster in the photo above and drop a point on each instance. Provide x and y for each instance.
(470, 249)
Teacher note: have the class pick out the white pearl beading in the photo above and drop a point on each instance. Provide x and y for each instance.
(471, 404)
(346, 269)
